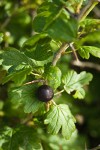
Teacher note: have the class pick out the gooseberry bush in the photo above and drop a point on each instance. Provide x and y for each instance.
(37, 78)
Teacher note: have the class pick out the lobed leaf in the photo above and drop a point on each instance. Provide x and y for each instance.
(92, 37)
(80, 94)
(26, 95)
(85, 51)
(23, 138)
(18, 76)
(13, 57)
(59, 118)
(87, 23)
(74, 82)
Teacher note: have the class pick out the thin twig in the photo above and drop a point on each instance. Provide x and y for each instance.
(59, 92)
(35, 81)
(74, 51)
(36, 74)
(59, 53)
(86, 65)
(53, 102)
(86, 10)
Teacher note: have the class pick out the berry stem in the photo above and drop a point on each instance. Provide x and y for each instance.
(59, 92)
(35, 81)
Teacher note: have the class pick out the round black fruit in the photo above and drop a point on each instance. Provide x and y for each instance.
(45, 93)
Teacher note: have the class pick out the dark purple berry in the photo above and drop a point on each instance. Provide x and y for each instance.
(45, 93)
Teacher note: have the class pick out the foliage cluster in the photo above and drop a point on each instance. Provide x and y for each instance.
(40, 43)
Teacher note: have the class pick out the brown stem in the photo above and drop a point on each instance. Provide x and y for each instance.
(86, 65)
(35, 81)
(59, 53)
(86, 10)
(74, 51)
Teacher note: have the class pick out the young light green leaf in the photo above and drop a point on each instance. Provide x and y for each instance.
(60, 117)
(87, 23)
(80, 94)
(23, 138)
(53, 76)
(92, 37)
(73, 81)
(85, 51)
(26, 95)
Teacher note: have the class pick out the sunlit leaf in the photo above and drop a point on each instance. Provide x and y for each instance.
(74, 82)
(85, 51)
(58, 118)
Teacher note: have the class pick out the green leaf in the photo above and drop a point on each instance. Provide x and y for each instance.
(87, 23)
(91, 37)
(41, 50)
(33, 40)
(12, 56)
(80, 94)
(23, 138)
(47, 12)
(53, 76)
(63, 29)
(74, 82)
(55, 21)
(60, 117)
(5, 134)
(85, 51)
(18, 75)
(26, 95)
(40, 47)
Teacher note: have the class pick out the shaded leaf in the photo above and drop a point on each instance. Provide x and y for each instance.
(55, 21)
(41, 50)
(23, 138)
(60, 117)
(18, 76)
(26, 95)
(63, 29)
(12, 56)
(47, 12)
